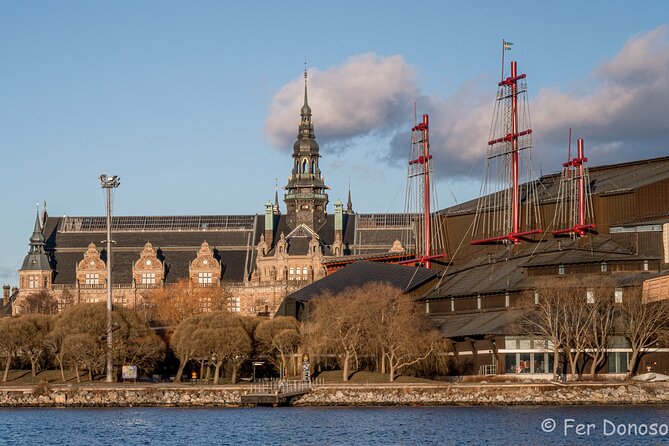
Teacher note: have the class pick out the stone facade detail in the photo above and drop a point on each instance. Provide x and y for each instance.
(92, 270)
(148, 271)
(285, 268)
(205, 270)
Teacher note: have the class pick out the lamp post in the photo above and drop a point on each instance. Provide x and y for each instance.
(109, 183)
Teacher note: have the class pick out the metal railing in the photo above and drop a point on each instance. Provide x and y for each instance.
(488, 369)
(280, 386)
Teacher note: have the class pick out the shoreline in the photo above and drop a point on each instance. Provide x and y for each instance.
(340, 394)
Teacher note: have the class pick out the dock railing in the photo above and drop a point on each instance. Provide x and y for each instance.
(278, 386)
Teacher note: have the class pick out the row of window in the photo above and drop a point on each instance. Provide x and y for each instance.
(297, 271)
(603, 267)
(617, 362)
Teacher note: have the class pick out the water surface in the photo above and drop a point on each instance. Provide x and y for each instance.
(333, 425)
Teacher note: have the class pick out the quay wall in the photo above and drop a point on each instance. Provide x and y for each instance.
(123, 395)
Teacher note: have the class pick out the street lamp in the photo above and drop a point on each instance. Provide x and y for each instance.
(109, 183)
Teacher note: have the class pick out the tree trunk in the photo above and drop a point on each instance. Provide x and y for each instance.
(572, 365)
(556, 359)
(217, 370)
(7, 364)
(76, 370)
(233, 379)
(383, 360)
(33, 367)
(90, 373)
(62, 370)
(391, 370)
(180, 371)
(284, 364)
(632, 364)
(345, 367)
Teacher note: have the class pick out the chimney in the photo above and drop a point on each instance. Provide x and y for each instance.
(5, 295)
(339, 219)
(269, 224)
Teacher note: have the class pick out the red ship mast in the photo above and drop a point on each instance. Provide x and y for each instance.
(507, 228)
(429, 244)
(575, 169)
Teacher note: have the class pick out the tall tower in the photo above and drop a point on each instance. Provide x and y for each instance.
(305, 197)
(36, 272)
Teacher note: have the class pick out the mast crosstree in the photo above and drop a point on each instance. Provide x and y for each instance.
(508, 209)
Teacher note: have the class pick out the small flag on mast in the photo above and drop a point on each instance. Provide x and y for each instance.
(507, 45)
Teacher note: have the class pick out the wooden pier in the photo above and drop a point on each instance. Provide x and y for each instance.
(275, 393)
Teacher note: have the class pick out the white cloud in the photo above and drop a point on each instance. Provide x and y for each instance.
(367, 94)
(622, 115)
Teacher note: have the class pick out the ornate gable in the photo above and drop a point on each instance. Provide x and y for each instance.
(91, 271)
(205, 270)
(302, 231)
(148, 270)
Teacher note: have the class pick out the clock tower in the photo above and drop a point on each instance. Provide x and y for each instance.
(306, 198)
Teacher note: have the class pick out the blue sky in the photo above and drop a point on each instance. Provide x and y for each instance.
(193, 103)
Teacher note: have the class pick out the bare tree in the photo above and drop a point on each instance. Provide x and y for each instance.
(407, 336)
(338, 325)
(32, 334)
(134, 342)
(184, 344)
(39, 302)
(545, 320)
(9, 342)
(281, 336)
(375, 320)
(604, 313)
(171, 305)
(643, 324)
(83, 351)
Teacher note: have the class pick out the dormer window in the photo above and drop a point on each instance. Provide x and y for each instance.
(561, 270)
(604, 267)
(148, 279)
(205, 279)
(92, 279)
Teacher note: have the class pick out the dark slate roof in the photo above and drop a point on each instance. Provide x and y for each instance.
(505, 270)
(176, 248)
(477, 324)
(604, 180)
(178, 238)
(361, 273)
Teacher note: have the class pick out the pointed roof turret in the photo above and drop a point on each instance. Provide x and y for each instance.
(277, 211)
(36, 258)
(306, 110)
(349, 204)
(37, 239)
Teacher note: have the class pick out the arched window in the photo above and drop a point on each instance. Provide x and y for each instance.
(313, 166)
(292, 271)
(304, 166)
(305, 271)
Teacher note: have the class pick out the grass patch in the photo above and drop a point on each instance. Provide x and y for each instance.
(364, 377)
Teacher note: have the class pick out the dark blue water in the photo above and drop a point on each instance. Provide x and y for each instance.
(323, 426)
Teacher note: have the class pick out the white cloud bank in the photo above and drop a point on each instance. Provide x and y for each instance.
(623, 116)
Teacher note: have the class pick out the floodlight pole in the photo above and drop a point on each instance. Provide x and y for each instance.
(109, 183)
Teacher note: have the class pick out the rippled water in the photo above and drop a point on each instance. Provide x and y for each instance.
(319, 426)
